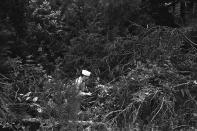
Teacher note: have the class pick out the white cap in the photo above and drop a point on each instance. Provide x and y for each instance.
(86, 73)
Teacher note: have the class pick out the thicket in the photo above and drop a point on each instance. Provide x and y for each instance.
(140, 75)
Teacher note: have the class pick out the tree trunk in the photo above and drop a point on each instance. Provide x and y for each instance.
(194, 9)
(182, 11)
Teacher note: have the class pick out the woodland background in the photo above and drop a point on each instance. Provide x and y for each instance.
(142, 56)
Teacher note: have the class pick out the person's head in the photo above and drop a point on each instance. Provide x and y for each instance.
(85, 74)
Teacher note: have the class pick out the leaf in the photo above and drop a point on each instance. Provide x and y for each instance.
(27, 94)
(195, 114)
(183, 92)
(187, 92)
(35, 99)
(40, 110)
(27, 98)
(19, 99)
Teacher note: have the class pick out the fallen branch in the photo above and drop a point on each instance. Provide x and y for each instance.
(181, 126)
(111, 113)
(182, 85)
(158, 110)
(193, 44)
(4, 76)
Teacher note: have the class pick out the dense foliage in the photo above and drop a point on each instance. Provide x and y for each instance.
(143, 70)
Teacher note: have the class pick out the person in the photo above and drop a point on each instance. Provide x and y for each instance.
(79, 87)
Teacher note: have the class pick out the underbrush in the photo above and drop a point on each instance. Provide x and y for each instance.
(142, 76)
(149, 79)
